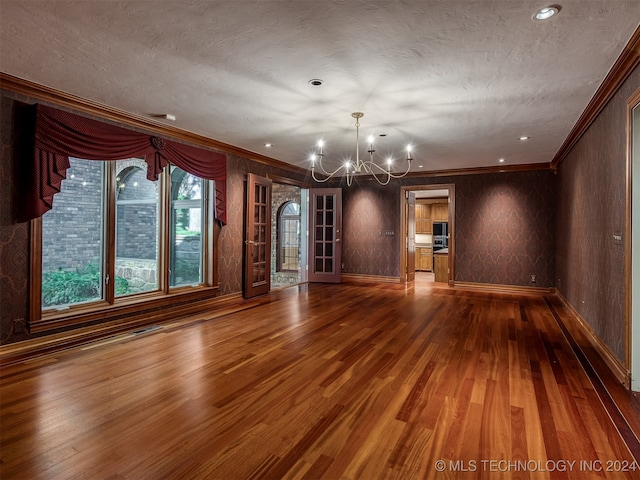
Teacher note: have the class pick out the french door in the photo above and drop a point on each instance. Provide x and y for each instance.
(325, 234)
(257, 258)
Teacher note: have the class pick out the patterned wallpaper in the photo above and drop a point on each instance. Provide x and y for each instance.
(591, 209)
(368, 212)
(504, 227)
(14, 237)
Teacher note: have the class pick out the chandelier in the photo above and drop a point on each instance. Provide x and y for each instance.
(382, 174)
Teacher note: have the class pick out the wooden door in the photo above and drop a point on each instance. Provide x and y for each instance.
(257, 258)
(325, 234)
(411, 236)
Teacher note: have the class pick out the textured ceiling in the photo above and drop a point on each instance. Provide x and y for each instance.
(459, 80)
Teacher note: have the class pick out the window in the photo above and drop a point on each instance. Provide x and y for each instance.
(186, 228)
(137, 208)
(289, 237)
(73, 238)
(106, 239)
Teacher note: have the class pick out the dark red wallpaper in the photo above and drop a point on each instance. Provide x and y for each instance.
(14, 237)
(591, 209)
(504, 227)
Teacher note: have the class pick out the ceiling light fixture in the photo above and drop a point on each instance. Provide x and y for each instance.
(368, 167)
(546, 12)
(315, 82)
(523, 138)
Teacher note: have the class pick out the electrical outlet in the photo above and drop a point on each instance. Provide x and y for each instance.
(533, 279)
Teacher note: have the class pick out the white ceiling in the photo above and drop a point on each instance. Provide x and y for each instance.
(459, 80)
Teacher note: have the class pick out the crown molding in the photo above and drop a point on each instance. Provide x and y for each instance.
(622, 68)
(55, 97)
(522, 167)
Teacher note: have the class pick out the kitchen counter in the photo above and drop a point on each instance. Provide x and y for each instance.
(443, 251)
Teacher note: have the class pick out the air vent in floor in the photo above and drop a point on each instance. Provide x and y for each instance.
(147, 329)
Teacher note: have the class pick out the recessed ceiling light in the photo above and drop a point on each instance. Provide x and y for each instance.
(501, 160)
(546, 12)
(523, 138)
(268, 145)
(168, 116)
(315, 82)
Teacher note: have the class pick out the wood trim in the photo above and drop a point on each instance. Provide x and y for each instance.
(622, 68)
(77, 104)
(452, 228)
(524, 167)
(632, 103)
(132, 306)
(287, 181)
(35, 269)
(36, 347)
(577, 326)
(496, 288)
(451, 191)
(359, 278)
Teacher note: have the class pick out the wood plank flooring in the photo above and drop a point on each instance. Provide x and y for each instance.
(359, 381)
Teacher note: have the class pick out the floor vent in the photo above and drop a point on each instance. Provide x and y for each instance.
(147, 329)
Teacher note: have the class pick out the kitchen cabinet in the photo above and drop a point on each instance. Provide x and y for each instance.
(423, 218)
(440, 212)
(441, 267)
(424, 259)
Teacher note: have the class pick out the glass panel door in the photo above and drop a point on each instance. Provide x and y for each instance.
(257, 280)
(325, 235)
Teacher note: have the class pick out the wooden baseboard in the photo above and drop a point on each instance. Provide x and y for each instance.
(36, 347)
(578, 327)
(496, 288)
(354, 277)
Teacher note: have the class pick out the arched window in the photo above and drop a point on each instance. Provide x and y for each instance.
(288, 259)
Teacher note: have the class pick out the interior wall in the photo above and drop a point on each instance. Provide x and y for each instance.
(591, 212)
(504, 227)
(14, 237)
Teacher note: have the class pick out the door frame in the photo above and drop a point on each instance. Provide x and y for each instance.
(632, 244)
(404, 228)
(410, 251)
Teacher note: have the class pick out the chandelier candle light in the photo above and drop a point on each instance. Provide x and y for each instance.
(366, 167)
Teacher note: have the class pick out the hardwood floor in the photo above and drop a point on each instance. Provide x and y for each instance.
(359, 381)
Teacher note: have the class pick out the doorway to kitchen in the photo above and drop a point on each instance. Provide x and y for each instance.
(427, 227)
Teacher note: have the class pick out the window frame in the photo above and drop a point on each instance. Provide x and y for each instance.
(111, 308)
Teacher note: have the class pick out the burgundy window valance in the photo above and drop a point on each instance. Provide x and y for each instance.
(60, 135)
